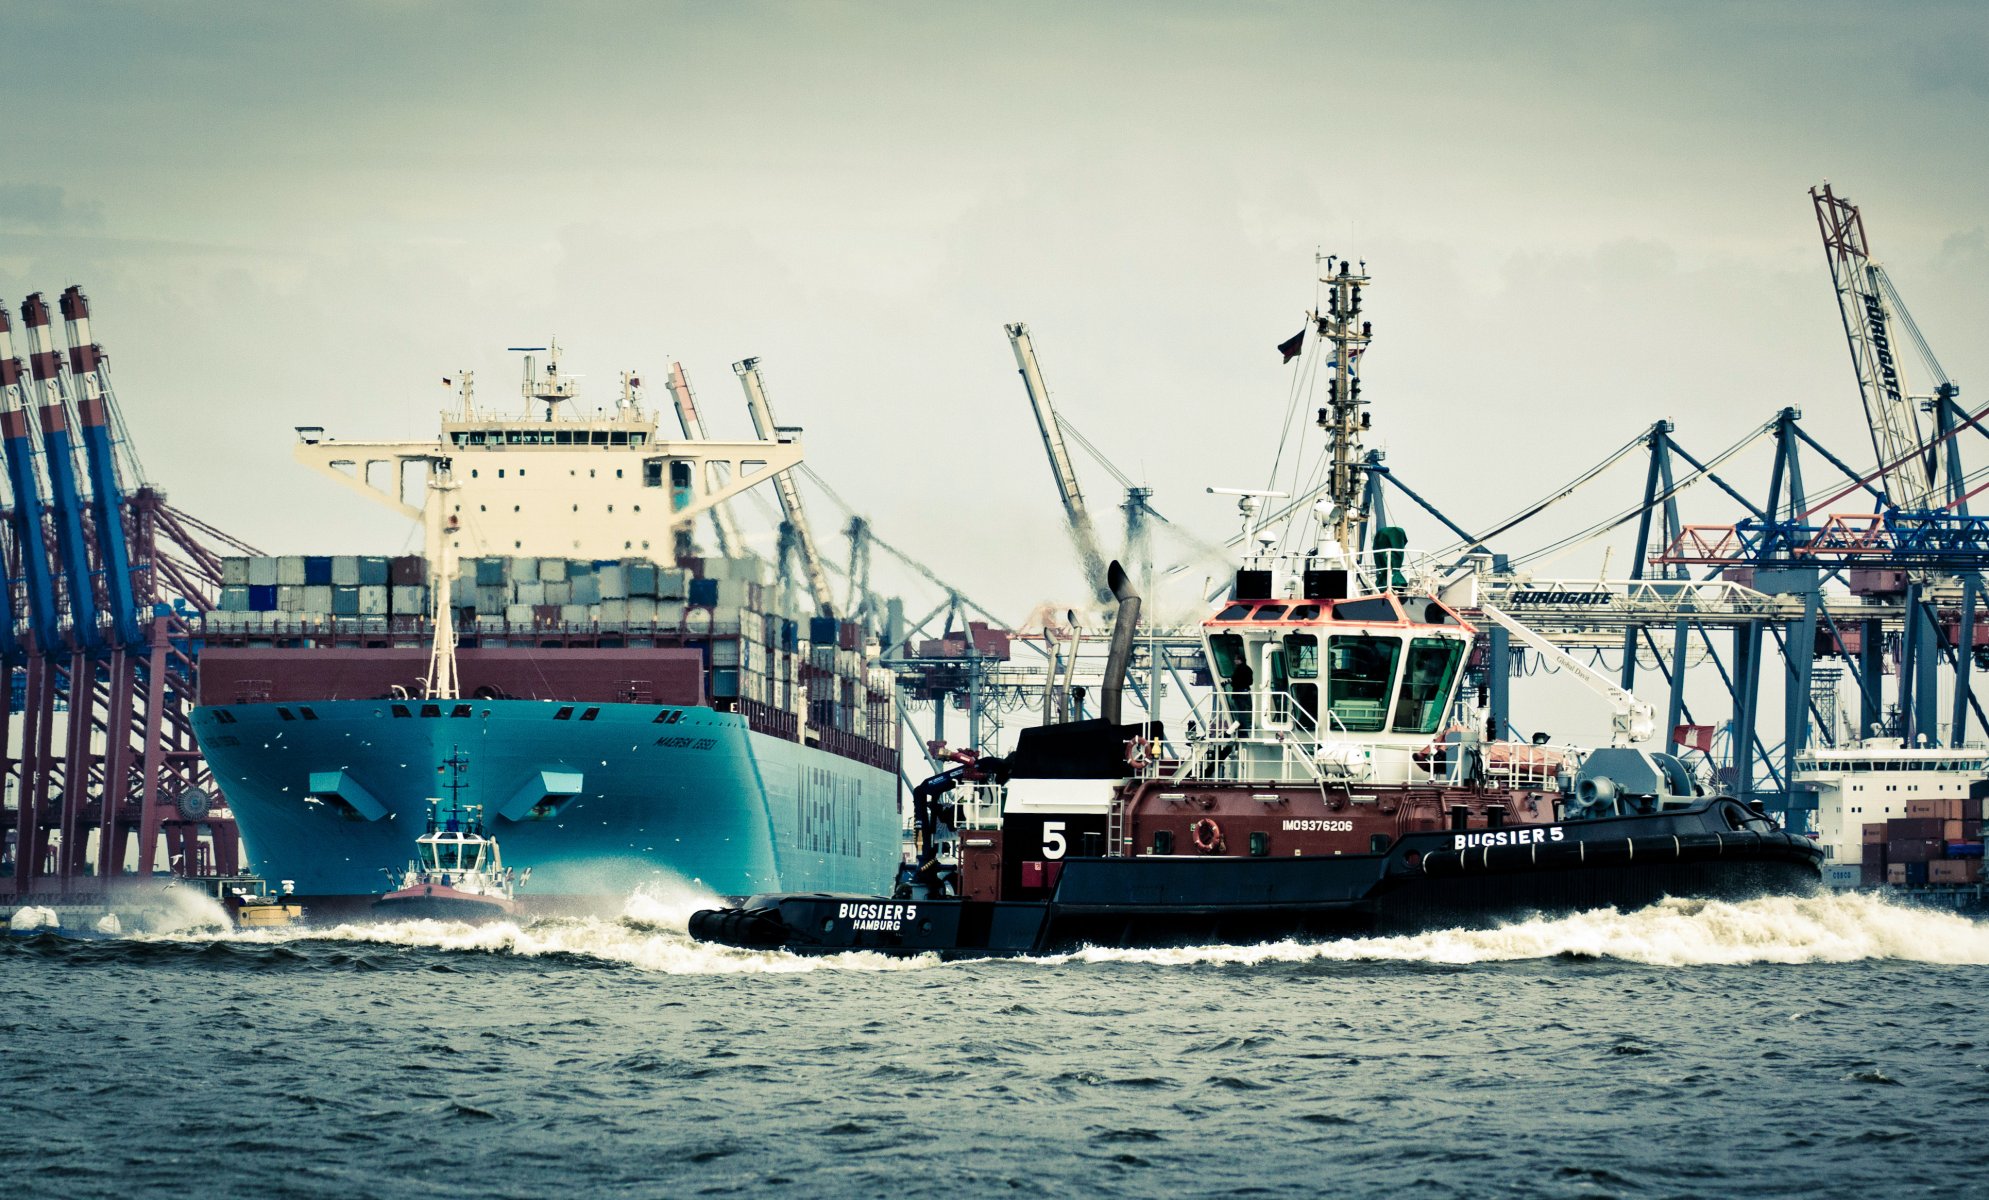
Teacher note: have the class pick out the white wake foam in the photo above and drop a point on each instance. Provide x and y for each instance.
(650, 934)
(1836, 928)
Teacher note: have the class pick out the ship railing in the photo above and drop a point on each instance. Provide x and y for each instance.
(1522, 766)
(1329, 754)
(979, 804)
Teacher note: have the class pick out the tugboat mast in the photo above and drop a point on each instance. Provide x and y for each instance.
(1343, 418)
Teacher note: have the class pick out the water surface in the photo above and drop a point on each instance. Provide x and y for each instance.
(1830, 1047)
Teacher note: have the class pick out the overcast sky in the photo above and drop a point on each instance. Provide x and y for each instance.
(1580, 218)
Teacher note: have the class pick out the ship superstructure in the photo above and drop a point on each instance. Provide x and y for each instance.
(636, 710)
(1881, 805)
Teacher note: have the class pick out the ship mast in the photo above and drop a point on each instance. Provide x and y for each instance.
(441, 570)
(1343, 418)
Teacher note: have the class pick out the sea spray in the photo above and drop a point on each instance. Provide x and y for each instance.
(1825, 928)
(1829, 928)
(180, 910)
(668, 906)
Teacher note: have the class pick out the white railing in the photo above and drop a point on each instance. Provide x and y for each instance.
(980, 804)
(1332, 755)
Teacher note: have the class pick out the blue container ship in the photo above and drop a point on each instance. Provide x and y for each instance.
(633, 712)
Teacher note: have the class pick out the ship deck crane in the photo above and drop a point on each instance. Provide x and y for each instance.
(1065, 472)
(692, 423)
(748, 371)
(1634, 720)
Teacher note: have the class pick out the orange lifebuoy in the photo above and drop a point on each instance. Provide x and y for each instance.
(1137, 750)
(1207, 835)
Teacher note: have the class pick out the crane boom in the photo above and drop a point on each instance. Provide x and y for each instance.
(1634, 721)
(1913, 474)
(748, 371)
(693, 425)
(1082, 531)
(95, 405)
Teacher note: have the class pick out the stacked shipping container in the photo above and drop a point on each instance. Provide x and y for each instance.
(757, 662)
(1938, 841)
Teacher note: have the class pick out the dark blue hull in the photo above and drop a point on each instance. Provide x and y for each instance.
(1424, 881)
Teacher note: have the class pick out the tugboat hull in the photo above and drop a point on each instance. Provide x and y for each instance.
(1426, 881)
(437, 902)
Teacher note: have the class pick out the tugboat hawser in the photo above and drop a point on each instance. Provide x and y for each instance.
(1343, 786)
(638, 712)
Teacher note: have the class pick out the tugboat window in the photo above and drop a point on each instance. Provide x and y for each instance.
(1271, 612)
(1426, 684)
(1302, 656)
(1235, 612)
(1277, 702)
(1359, 670)
(1302, 663)
(1227, 651)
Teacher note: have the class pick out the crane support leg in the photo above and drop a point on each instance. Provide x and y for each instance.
(150, 802)
(37, 726)
(1927, 687)
(10, 762)
(76, 765)
(1798, 657)
(112, 830)
(1674, 709)
(1909, 675)
(1964, 658)
(1746, 696)
(1871, 670)
(1641, 547)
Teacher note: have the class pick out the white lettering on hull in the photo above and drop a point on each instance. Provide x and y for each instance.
(1506, 837)
(877, 918)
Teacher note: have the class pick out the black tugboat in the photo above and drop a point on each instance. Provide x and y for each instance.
(1333, 795)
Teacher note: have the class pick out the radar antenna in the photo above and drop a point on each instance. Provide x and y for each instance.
(1343, 418)
(548, 387)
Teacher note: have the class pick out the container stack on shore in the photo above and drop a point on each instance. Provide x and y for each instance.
(1938, 842)
(788, 676)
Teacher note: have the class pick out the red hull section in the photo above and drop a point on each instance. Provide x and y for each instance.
(249, 675)
(443, 903)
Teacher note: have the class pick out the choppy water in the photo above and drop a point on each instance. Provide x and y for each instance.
(1829, 1047)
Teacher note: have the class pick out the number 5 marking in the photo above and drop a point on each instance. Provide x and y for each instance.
(1053, 839)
